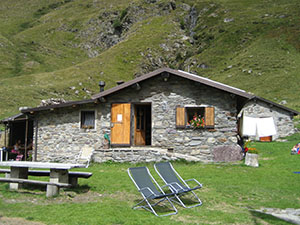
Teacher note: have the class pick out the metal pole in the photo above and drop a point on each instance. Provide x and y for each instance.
(26, 135)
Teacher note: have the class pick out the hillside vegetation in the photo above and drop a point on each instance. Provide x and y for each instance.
(62, 48)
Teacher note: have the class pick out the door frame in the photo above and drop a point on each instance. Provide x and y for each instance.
(134, 104)
(132, 122)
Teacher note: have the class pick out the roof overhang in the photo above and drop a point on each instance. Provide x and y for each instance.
(14, 118)
(56, 106)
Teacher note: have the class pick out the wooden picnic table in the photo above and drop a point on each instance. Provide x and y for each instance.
(59, 172)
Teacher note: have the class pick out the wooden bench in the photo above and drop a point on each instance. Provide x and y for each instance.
(52, 188)
(73, 175)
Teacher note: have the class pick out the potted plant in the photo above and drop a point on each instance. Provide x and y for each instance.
(196, 122)
(251, 158)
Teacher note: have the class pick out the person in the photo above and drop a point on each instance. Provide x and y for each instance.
(17, 147)
(15, 150)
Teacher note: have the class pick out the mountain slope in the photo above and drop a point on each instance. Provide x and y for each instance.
(63, 48)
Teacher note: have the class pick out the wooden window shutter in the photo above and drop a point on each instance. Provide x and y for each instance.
(209, 117)
(180, 117)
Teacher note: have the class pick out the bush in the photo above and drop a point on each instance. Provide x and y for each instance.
(117, 25)
(123, 14)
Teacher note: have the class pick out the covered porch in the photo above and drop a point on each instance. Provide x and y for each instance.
(17, 140)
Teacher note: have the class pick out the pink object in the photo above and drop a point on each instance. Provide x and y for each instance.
(19, 157)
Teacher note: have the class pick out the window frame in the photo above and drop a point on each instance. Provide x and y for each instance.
(203, 108)
(81, 120)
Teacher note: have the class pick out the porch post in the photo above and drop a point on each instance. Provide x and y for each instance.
(5, 135)
(26, 134)
(36, 139)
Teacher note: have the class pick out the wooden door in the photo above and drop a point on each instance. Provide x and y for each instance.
(139, 125)
(120, 124)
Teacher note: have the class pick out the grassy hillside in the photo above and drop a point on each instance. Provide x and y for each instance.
(63, 48)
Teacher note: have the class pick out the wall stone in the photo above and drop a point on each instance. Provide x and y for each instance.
(283, 120)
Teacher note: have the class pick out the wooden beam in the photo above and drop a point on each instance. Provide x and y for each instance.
(5, 133)
(165, 76)
(36, 140)
(102, 99)
(136, 86)
(26, 136)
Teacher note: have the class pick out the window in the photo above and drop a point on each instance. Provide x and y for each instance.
(87, 119)
(184, 115)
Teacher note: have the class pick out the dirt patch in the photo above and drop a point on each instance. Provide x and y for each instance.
(38, 198)
(224, 208)
(266, 158)
(17, 221)
(64, 197)
(125, 196)
(185, 219)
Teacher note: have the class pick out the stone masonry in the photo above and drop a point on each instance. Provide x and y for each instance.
(283, 120)
(60, 138)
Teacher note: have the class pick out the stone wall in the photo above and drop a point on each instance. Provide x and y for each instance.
(164, 98)
(60, 137)
(283, 120)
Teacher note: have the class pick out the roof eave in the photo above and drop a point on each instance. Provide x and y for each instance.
(294, 112)
(56, 106)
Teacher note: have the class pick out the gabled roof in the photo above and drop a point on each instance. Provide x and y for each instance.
(183, 74)
(179, 73)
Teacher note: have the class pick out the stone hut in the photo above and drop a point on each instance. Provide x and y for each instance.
(149, 119)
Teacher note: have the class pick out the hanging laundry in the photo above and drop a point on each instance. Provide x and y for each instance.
(266, 127)
(259, 127)
(248, 126)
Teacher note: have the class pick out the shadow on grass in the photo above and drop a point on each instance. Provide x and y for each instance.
(161, 208)
(188, 198)
(258, 216)
(80, 189)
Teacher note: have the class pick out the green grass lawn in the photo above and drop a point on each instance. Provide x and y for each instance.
(230, 192)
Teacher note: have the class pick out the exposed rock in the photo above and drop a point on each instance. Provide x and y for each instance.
(227, 20)
(227, 153)
(289, 215)
(283, 102)
(185, 7)
(52, 101)
(203, 66)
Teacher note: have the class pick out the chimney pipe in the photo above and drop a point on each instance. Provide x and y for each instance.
(101, 85)
(120, 82)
